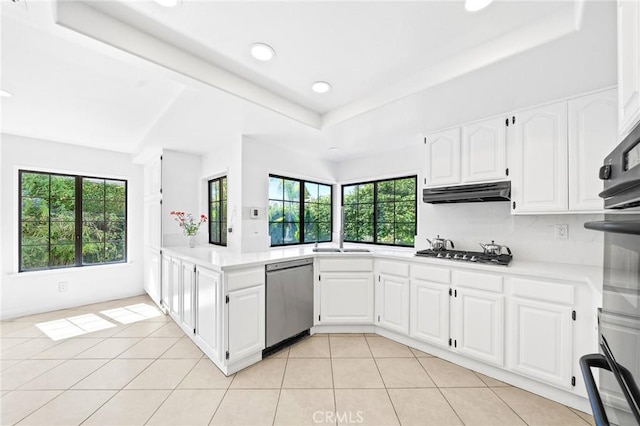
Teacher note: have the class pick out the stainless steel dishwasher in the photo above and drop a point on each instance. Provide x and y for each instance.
(289, 310)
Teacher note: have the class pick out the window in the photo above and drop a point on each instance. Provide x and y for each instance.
(68, 221)
(299, 211)
(381, 212)
(218, 211)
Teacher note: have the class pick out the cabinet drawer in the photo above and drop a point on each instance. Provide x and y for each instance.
(429, 273)
(345, 265)
(400, 269)
(244, 279)
(543, 290)
(478, 281)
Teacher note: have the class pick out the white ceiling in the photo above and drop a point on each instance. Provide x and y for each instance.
(183, 79)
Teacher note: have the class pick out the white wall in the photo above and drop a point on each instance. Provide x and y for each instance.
(260, 159)
(467, 224)
(32, 292)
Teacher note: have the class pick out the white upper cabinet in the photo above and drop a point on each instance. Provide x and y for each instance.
(539, 160)
(443, 158)
(628, 65)
(592, 135)
(483, 151)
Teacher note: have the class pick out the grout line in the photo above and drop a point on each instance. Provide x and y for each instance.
(375, 362)
(284, 373)
(505, 403)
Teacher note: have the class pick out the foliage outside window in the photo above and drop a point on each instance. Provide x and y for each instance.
(299, 211)
(218, 211)
(381, 212)
(68, 220)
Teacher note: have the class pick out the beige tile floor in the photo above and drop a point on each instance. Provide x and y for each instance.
(149, 372)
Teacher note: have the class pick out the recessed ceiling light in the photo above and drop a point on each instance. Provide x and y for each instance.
(333, 149)
(476, 5)
(5, 94)
(321, 87)
(262, 51)
(168, 3)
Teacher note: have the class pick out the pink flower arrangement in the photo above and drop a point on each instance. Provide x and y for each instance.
(188, 224)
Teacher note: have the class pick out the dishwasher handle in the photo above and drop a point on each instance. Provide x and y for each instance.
(272, 267)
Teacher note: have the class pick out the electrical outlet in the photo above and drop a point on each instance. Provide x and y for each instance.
(562, 232)
(62, 286)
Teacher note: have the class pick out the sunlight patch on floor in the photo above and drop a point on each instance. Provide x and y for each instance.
(74, 326)
(132, 313)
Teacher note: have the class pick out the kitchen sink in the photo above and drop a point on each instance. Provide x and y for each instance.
(337, 250)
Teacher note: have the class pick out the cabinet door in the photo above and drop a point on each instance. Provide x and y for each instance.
(484, 151)
(246, 322)
(392, 297)
(209, 307)
(593, 133)
(165, 279)
(542, 341)
(443, 158)
(175, 289)
(479, 325)
(152, 274)
(429, 312)
(628, 65)
(539, 161)
(346, 298)
(187, 297)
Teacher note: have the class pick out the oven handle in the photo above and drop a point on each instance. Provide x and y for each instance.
(598, 361)
(621, 227)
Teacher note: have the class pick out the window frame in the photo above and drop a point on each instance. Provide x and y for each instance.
(375, 208)
(78, 221)
(301, 183)
(222, 226)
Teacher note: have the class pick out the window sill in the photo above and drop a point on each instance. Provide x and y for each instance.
(75, 269)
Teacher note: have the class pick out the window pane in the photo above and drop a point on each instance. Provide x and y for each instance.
(34, 257)
(214, 234)
(310, 191)
(35, 233)
(224, 214)
(92, 232)
(115, 210)
(35, 209)
(350, 194)
(115, 190)
(385, 233)
(386, 212)
(324, 232)
(405, 233)
(62, 255)
(214, 190)
(291, 190)
(324, 213)
(214, 213)
(385, 191)
(92, 189)
(276, 231)
(350, 213)
(365, 213)
(114, 251)
(291, 233)
(92, 253)
(116, 230)
(276, 188)
(291, 212)
(223, 239)
(35, 185)
(310, 232)
(92, 209)
(365, 193)
(62, 233)
(405, 189)
(63, 209)
(405, 212)
(276, 211)
(63, 186)
(365, 232)
(351, 231)
(324, 193)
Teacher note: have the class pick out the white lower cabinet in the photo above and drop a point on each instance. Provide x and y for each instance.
(344, 290)
(166, 278)
(542, 334)
(187, 296)
(478, 329)
(175, 288)
(209, 309)
(429, 312)
(246, 313)
(392, 296)
(346, 298)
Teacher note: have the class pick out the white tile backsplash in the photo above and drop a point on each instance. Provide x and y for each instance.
(530, 237)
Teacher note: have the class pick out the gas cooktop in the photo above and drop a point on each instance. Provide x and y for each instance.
(468, 256)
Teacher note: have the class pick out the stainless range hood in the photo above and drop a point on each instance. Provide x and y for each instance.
(494, 191)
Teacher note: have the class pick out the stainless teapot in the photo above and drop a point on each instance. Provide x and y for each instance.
(494, 249)
(439, 243)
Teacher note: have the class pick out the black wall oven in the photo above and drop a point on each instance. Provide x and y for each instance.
(615, 398)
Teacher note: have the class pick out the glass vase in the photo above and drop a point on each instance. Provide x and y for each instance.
(192, 240)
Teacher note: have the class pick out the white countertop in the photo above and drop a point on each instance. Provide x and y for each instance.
(221, 259)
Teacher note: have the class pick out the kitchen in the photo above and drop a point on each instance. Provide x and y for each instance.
(199, 113)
